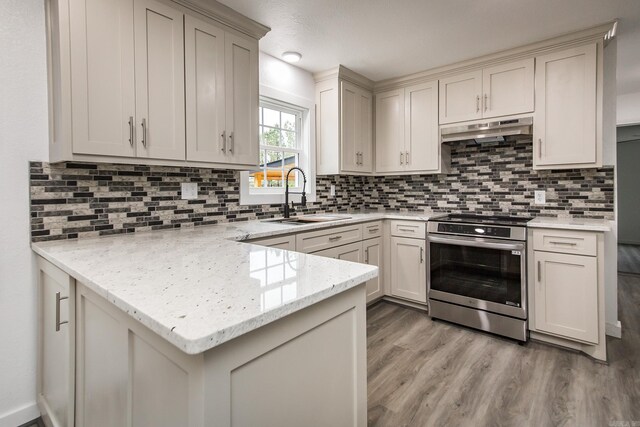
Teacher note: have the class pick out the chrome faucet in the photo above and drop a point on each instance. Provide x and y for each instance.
(303, 200)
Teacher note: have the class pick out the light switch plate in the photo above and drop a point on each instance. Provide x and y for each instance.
(332, 190)
(540, 197)
(189, 190)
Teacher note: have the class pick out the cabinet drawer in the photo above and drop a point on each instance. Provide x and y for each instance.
(280, 242)
(415, 229)
(371, 230)
(314, 241)
(565, 241)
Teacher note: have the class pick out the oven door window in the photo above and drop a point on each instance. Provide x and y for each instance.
(481, 273)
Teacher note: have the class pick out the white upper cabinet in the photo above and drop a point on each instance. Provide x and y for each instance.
(344, 123)
(508, 88)
(242, 99)
(390, 131)
(205, 90)
(159, 80)
(138, 81)
(460, 97)
(356, 108)
(500, 90)
(407, 138)
(102, 88)
(565, 133)
(221, 95)
(422, 139)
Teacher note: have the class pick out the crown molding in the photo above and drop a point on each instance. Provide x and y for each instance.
(344, 73)
(227, 16)
(588, 35)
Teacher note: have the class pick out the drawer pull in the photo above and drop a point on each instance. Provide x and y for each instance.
(58, 322)
(335, 238)
(409, 230)
(373, 230)
(564, 243)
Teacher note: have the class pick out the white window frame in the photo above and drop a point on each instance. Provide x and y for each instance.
(306, 110)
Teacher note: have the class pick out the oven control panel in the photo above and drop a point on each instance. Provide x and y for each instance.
(475, 230)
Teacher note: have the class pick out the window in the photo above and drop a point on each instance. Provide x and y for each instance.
(284, 131)
(280, 147)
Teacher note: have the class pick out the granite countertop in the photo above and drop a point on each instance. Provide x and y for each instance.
(584, 224)
(201, 287)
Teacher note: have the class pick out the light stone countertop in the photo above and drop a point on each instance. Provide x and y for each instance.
(200, 287)
(584, 224)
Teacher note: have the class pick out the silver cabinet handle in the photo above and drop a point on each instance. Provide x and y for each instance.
(131, 130)
(477, 103)
(231, 142)
(366, 256)
(539, 270)
(401, 158)
(421, 255)
(564, 243)
(334, 238)
(539, 147)
(58, 322)
(486, 104)
(373, 230)
(144, 133)
(409, 230)
(406, 157)
(223, 138)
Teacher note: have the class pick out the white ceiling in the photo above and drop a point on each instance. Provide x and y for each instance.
(386, 38)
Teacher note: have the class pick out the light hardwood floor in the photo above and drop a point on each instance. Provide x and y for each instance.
(629, 259)
(426, 373)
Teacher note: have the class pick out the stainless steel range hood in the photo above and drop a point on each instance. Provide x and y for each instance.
(489, 131)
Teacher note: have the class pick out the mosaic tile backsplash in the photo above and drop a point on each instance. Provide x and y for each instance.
(75, 200)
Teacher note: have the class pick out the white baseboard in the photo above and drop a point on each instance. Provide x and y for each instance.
(17, 417)
(614, 329)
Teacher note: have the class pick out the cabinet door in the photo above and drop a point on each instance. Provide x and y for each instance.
(366, 131)
(102, 87)
(408, 272)
(564, 128)
(241, 80)
(566, 295)
(351, 127)
(56, 350)
(460, 97)
(390, 131)
(372, 249)
(205, 90)
(159, 80)
(422, 141)
(508, 89)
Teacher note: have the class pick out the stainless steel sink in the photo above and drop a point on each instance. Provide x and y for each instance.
(308, 219)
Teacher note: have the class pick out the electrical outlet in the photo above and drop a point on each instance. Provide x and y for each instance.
(189, 190)
(540, 197)
(332, 190)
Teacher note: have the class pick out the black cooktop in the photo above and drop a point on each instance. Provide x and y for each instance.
(485, 219)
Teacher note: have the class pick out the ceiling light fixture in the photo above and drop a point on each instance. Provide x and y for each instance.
(291, 56)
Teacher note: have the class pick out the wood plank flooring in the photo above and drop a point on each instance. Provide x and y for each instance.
(629, 259)
(426, 373)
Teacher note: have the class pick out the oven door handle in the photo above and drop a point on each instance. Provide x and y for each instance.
(478, 243)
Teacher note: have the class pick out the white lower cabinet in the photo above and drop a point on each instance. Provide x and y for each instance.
(566, 289)
(56, 349)
(408, 269)
(566, 295)
(373, 254)
(351, 252)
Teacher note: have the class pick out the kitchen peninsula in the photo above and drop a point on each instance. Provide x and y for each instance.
(195, 327)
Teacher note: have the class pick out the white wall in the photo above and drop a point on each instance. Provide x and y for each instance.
(285, 77)
(629, 109)
(23, 137)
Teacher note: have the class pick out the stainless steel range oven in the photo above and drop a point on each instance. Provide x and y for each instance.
(477, 272)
